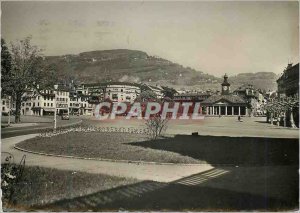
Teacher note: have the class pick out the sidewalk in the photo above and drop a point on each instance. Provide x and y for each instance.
(13, 125)
(28, 119)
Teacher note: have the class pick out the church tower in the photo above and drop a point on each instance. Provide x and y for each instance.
(225, 86)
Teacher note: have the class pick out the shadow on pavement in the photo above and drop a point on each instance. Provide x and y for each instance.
(222, 150)
(218, 189)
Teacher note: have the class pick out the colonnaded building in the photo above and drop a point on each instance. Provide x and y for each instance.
(226, 103)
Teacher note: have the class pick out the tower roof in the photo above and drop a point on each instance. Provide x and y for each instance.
(225, 82)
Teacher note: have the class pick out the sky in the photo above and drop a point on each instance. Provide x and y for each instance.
(213, 37)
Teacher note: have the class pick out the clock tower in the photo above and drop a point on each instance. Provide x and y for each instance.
(225, 86)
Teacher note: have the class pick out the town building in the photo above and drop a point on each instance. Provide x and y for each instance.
(76, 99)
(80, 101)
(253, 97)
(225, 104)
(45, 101)
(288, 83)
(122, 92)
(192, 97)
(116, 91)
(7, 105)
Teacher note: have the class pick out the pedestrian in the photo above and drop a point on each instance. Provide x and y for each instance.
(239, 118)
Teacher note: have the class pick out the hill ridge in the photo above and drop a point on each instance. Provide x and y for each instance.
(137, 66)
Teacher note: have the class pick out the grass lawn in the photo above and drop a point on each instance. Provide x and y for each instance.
(40, 186)
(222, 150)
(103, 145)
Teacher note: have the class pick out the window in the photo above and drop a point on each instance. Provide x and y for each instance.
(44, 104)
(52, 104)
(47, 104)
(114, 96)
(38, 104)
(3, 108)
(33, 104)
(3, 102)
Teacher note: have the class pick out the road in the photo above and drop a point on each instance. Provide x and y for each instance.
(44, 125)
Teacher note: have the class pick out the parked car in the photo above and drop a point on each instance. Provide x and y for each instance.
(65, 117)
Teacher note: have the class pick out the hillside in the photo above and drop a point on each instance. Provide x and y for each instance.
(262, 80)
(136, 66)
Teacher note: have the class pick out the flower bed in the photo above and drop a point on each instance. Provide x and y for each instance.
(61, 131)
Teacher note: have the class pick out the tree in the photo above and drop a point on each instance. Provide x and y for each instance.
(291, 103)
(26, 71)
(156, 125)
(285, 106)
(147, 95)
(5, 69)
(169, 92)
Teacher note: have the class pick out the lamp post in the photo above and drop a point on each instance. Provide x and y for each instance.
(9, 109)
(55, 91)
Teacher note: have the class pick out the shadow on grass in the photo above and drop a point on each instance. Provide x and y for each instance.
(221, 150)
(216, 189)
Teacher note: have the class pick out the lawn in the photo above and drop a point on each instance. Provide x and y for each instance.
(40, 186)
(222, 150)
(214, 150)
(117, 146)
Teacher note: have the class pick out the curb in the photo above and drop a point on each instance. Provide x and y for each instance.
(72, 124)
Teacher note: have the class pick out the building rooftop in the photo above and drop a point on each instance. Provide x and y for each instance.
(235, 99)
(113, 83)
(191, 94)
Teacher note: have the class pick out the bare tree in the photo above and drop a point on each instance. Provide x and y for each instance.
(26, 71)
(156, 125)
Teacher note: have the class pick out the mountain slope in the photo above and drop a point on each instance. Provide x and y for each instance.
(135, 66)
(262, 80)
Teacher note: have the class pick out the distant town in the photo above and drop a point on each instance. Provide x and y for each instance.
(82, 99)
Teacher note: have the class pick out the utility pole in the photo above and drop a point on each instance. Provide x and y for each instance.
(55, 91)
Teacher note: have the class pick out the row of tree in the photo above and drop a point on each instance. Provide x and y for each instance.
(22, 67)
(283, 111)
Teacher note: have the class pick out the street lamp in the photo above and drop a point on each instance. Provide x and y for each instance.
(55, 90)
(9, 109)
